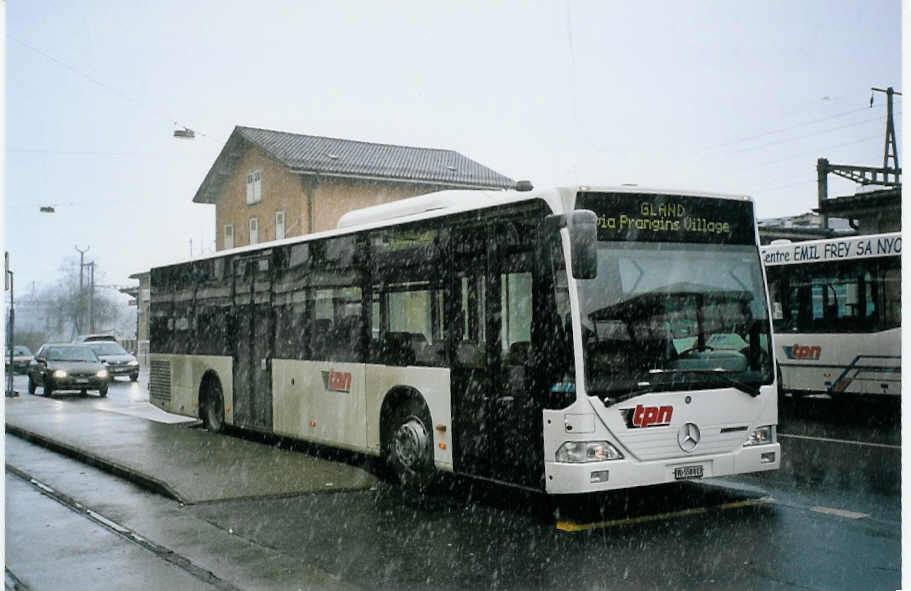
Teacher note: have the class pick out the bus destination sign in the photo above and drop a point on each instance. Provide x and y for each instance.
(817, 251)
(670, 218)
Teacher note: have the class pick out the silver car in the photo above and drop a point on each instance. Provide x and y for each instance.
(117, 360)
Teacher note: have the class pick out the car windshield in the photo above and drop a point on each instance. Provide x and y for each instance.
(107, 348)
(70, 354)
(19, 351)
(672, 316)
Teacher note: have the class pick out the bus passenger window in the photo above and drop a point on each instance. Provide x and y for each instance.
(407, 326)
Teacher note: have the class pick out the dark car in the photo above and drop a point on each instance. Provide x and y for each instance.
(22, 356)
(117, 360)
(67, 367)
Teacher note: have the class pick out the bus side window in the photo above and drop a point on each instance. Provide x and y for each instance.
(407, 307)
(891, 298)
(470, 325)
(514, 261)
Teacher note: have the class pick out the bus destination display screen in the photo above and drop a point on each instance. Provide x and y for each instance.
(670, 218)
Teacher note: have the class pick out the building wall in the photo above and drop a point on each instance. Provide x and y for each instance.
(331, 197)
(880, 222)
(281, 190)
(334, 197)
(142, 307)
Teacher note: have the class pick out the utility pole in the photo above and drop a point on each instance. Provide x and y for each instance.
(91, 267)
(10, 337)
(81, 312)
(890, 134)
(888, 176)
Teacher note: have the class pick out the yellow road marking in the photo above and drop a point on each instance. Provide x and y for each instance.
(839, 512)
(570, 526)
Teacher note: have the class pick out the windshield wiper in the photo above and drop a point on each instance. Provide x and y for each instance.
(610, 399)
(742, 386)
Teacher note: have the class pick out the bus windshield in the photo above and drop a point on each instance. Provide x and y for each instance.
(673, 316)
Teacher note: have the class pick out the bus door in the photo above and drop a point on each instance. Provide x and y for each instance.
(253, 343)
(514, 405)
(469, 374)
(496, 419)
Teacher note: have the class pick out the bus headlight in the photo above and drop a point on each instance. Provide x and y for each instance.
(576, 452)
(761, 436)
(59, 373)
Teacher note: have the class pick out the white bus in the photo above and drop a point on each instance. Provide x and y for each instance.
(569, 340)
(836, 309)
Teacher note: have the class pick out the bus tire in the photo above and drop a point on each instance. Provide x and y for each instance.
(212, 404)
(408, 447)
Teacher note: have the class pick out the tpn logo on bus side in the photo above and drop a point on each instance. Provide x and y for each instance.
(337, 381)
(648, 416)
(802, 352)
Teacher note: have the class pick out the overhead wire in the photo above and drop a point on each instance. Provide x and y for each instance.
(108, 87)
(816, 133)
(791, 127)
(817, 151)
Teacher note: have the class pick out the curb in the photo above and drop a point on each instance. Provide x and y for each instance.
(143, 480)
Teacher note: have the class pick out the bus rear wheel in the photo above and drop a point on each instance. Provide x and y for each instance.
(408, 449)
(212, 406)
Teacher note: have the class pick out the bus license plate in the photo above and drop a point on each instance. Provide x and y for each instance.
(687, 472)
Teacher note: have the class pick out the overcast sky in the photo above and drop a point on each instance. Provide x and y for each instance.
(722, 96)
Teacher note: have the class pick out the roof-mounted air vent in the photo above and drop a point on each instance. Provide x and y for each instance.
(524, 185)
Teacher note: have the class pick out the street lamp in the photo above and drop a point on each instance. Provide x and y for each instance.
(185, 134)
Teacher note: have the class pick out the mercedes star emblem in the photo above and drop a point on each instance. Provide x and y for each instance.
(688, 437)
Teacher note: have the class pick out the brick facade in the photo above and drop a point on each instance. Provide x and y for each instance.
(296, 194)
(315, 180)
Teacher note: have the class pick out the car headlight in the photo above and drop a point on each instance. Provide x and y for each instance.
(761, 436)
(102, 373)
(59, 373)
(133, 362)
(576, 452)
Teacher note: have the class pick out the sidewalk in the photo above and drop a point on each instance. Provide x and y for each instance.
(189, 464)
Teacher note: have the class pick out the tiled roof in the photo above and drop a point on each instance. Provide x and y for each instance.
(307, 154)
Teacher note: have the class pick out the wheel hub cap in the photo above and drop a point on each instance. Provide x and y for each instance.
(410, 440)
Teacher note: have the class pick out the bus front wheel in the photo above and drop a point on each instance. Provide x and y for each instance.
(212, 406)
(408, 450)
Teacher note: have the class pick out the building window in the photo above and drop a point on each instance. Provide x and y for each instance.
(229, 236)
(279, 225)
(254, 186)
(254, 231)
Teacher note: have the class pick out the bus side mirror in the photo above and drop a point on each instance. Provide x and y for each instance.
(583, 239)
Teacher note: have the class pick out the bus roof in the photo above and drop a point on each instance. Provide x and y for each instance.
(560, 200)
(833, 249)
(431, 205)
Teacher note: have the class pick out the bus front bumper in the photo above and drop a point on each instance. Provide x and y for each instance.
(566, 478)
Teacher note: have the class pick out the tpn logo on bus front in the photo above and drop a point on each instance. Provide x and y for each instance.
(648, 416)
(802, 352)
(337, 381)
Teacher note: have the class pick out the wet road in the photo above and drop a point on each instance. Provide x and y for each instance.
(808, 527)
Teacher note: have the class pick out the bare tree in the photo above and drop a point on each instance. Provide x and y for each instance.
(60, 312)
